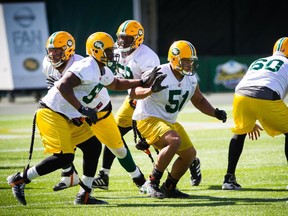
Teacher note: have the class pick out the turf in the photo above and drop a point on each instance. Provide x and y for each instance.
(262, 172)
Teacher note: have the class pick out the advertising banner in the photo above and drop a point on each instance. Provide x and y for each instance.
(23, 33)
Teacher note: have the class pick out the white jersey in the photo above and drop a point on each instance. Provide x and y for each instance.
(142, 59)
(271, 72)
(49, 70)
(90, 93)
(167, 103)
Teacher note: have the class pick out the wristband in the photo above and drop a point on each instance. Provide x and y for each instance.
(81, 108)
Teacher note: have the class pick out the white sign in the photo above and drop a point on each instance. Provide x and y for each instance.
(23, 34)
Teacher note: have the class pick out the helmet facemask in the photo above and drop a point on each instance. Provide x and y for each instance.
(56, 56)
(187, 67)
(125, 43)
(109, 58)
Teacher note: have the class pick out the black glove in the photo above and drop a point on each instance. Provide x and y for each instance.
(142, 145)
(50, 80)
(89, 112)
(149, 76)
(221, 115)
(156, 85)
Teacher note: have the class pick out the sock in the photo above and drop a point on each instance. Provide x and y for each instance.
(67, 169)
(86, 181)
(235, 149)
(127, 162)
(135, 174)
(106, 171)
(155, 176)
(31, 173)
(171, 182)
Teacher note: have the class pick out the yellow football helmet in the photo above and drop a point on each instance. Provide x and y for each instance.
(130, 28)
(64, 40)
(100, 45)
(281, 47)
(181, 51)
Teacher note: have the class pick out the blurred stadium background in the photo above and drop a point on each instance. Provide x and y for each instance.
(227, 34)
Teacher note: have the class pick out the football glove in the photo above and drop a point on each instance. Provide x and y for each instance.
(89, 112)
(156, 85)
(50, 80)
(149, 76)
(142, 145)
(221, 115)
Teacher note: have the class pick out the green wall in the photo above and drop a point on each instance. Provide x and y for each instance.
(207, 71)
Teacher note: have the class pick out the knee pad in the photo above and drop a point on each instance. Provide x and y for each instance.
(120, 152)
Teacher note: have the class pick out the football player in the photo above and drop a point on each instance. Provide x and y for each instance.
(60, 124)
(61, 128)
(93, 77)
(259, 96)
(156, 116)
(134, 59)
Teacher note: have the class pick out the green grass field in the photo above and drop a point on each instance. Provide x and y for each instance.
(262, 172)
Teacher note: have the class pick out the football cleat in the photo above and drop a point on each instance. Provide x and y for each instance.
(69, 179)
(140, 180)
(195, 172)
(101, 181)
(230, 183)
(152, 190)
(18, 183)
(173, 192)
(85, 199)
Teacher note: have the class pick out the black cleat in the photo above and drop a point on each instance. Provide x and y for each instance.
(230, 183)
(85, 199)
(173, 192)
(69, 179)
(195, 172)
(101, 181)
(18, 184)
(152, 190)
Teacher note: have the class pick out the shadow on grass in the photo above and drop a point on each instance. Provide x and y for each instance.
(12, 167)
(217, 187)
(194, 201)
(142, 201)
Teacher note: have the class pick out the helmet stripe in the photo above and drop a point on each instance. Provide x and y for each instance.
(53, 37)
(125, 25)
(192, 49)
(280, 44)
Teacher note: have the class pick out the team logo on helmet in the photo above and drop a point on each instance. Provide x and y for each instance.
(175, 51)
(140, 32)
(98, 44)
(70, 43)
